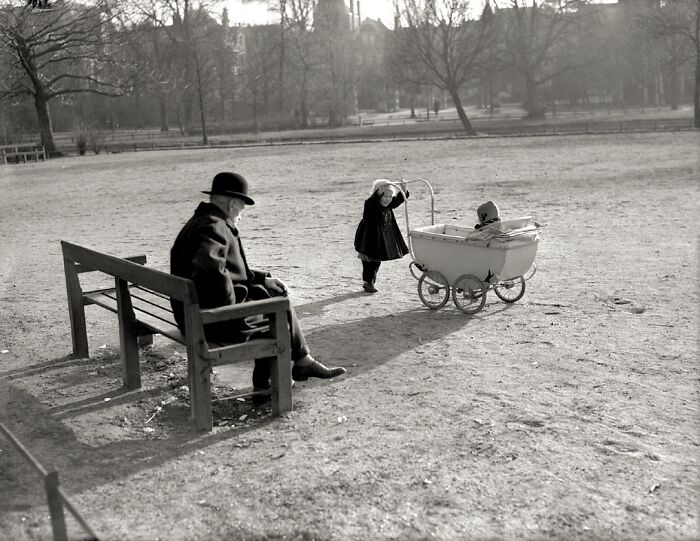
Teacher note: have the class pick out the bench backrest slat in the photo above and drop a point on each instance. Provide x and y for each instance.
(172, 286)
(140, 259)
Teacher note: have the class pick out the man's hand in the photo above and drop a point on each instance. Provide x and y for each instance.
(275, 284)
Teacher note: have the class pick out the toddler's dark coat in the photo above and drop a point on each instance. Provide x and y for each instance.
(378, 236)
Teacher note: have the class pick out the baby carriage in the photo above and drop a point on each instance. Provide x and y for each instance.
(446, 262)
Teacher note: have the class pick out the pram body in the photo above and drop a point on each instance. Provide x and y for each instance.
(449, 261)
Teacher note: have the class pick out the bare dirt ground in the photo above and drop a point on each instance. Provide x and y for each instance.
(572, 414)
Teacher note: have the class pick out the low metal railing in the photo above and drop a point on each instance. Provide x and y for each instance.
(57, 499)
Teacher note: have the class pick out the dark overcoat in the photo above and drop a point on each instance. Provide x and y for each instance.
(209, 252)
(378, 235)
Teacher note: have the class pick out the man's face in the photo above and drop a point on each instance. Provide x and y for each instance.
(236, 206)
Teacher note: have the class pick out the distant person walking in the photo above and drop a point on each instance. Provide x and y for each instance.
(208, 251)
(378, 237)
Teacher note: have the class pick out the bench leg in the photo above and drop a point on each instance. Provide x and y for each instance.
(199, 371)
(128, 337)
(282, 366)
(76, 311)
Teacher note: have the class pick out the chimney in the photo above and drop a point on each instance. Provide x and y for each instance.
(352, 16)
(359, 18)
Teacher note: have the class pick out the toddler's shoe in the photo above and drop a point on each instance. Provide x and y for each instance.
(369, 287)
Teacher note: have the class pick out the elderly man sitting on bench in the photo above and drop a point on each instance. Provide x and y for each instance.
(209, 252)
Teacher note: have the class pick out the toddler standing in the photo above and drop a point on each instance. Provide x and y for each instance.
(378, 237)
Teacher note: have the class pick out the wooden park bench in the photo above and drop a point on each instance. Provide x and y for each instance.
(141, 299)
(20, 153)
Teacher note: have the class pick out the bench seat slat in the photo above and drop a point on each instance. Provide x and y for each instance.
(106, 299)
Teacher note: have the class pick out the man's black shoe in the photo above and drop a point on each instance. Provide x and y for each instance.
(315, 370)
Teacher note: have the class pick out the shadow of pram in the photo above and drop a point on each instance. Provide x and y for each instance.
(318, 307)
(365, 344)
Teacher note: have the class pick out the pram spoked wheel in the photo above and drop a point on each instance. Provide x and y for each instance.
(510, 290)
(433, 290)
(469, 294)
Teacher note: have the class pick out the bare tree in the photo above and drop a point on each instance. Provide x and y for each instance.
(59, 52)
(677, 24)
(542, 40)
(281, 8)
(443, 45)
(186, 25)
(257, 66)
(225, 56)
(305, 52)
(336, 74)
(154, 60)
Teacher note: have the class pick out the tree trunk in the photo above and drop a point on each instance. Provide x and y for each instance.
(696, 96)
(200, 97)
(187, 110)
(454, 94)
(163, 108)
(282, 8)
(303, 101)
(534, 108)
(255, 114)
(137, 106)
(45, 129)
(178, 118)
(672, 88)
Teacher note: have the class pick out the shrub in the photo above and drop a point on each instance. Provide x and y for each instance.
(81, 142)
(97, 140)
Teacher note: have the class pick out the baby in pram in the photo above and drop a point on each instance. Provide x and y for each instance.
(489, 222)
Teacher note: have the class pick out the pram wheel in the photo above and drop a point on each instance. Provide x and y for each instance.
(469, 294)
(510, 290)
(433, 290)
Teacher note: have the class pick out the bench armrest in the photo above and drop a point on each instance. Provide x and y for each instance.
(237, 311)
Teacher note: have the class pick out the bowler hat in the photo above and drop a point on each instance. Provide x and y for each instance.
(230, 185)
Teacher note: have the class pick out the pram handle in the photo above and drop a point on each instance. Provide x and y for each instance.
(400, 186)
